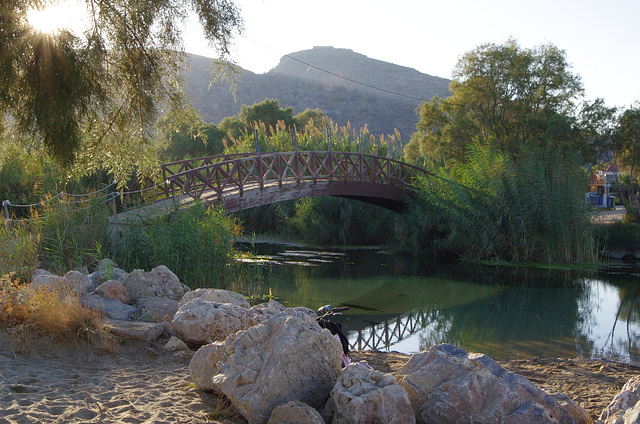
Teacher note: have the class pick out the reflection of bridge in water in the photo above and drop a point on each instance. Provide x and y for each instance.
(383, 335)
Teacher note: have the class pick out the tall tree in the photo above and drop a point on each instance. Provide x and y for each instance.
(315, 117)
(597, 124)
(183, 134)
(502, 94)
(93, 97)
(627, 141)
(268, 112)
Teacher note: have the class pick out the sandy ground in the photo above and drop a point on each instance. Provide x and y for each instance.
(145, 384)
(76, 384)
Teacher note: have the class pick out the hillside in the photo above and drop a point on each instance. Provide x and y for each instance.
(349, 99)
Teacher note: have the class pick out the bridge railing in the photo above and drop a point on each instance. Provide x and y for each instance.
(222, 174)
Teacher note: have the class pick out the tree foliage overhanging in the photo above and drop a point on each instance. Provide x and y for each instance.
(91, 98)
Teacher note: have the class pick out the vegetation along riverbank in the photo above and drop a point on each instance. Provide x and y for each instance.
(508, 159)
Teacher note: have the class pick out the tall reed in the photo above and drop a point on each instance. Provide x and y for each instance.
(334, 220)
(19, 248)
(73, 233)
(497, 207)
(197, 244)
(327, 136)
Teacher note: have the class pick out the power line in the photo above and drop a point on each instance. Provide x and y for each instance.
(364, 84)
(356, 82)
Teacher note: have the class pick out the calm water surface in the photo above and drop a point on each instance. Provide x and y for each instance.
(407, 305)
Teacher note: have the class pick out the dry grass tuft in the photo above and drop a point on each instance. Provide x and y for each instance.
(58, 316)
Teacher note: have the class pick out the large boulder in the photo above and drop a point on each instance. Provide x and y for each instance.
(158, 309)
(50, 282)
(204, 364)
(216, 295)
(263, 311)
(78, 282)
(73, 282)
(95, 280)
(447, 385)
(164, 283)
(625, 407)
(200, 322)
(288, 357)
(110, 308)
(159, 282)
(364, 395)
(114, 290)
(295, 412)
(137, 285)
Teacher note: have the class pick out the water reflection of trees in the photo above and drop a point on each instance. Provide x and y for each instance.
(628, 313)
(501, 311)
(515, 322)
(521, 320)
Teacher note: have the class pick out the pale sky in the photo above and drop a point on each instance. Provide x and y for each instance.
(601, 38)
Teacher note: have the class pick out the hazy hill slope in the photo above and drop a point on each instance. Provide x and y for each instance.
(352, 98)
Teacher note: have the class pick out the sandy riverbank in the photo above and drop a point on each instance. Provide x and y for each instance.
(145, 384)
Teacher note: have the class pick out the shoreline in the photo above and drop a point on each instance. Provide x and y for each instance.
(144, 383)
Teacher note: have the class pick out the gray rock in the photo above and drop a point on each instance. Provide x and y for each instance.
(78, 282)
(136, 330)
(263, 311)
(200, 322)
(137, 285)
(111, 308)
(164, 283)
(295, 412)
(158, 309)
(40, 272)
(216, 295)
(114, 290)
(288, 357)
(82, 269)
(50, 282)
(110, 271)
(447, 385)
(106, 263)
(625, 407)
(96, 279)
(364, 395)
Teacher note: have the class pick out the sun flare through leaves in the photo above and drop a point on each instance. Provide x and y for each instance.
(54, 18)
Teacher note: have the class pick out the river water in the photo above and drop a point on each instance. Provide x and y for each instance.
(406, 304)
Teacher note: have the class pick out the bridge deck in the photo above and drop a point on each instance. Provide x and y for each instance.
(244, 181)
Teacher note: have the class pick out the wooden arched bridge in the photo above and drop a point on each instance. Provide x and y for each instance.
(243, 181)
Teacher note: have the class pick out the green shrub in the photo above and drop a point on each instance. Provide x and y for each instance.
(622, 236)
